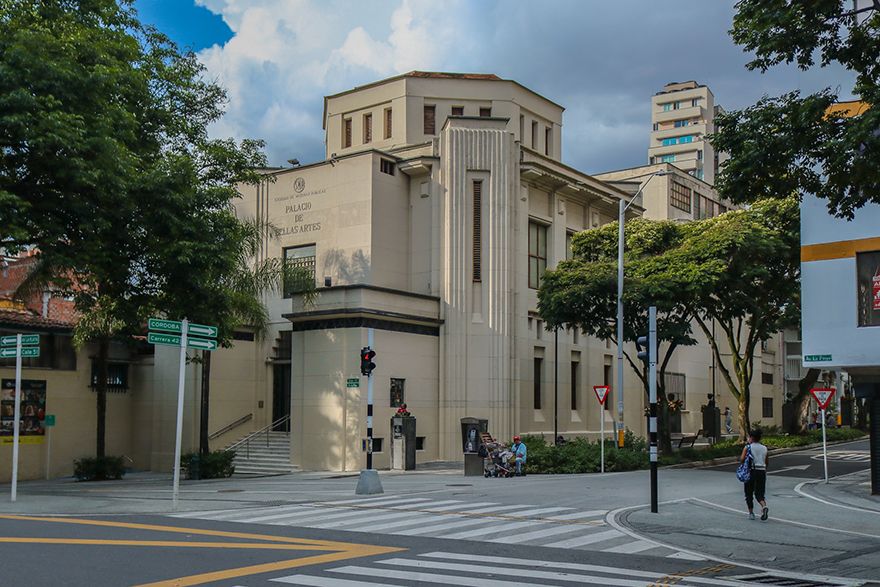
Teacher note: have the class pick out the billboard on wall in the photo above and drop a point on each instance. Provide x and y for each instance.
(840, 286)
(33, 411)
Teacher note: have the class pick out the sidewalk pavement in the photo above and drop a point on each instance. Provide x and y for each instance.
(827, 530)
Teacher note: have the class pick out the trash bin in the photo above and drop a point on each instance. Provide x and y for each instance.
(193, 471)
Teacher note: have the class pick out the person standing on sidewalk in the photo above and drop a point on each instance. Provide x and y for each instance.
(756, 486)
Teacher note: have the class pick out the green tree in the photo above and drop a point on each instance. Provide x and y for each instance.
(582, 293)
(791, 144)
(748, 265)
(106, 166)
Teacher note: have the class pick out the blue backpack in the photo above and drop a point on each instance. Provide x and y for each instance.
(744, 471)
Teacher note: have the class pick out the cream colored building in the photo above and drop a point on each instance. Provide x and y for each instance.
(682, 115)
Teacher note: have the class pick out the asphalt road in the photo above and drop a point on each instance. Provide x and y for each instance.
(150, 551)
(809, 464)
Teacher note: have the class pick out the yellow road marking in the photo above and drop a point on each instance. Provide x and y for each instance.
(345, 550)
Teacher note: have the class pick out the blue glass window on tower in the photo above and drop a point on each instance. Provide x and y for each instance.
(667, 159)
(681, 123)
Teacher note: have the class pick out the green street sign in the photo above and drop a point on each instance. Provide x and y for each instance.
(26, 352)
(49, 421)
(159, 338)
(26, 339)
(200, 343)
(176, 326)
(202, 330)
(816, 358)
(162, 324)
(352, 382)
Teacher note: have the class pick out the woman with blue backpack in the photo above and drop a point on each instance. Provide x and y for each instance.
(752, 472)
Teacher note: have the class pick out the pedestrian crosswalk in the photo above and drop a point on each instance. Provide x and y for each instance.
(452, 568)
(529, 524)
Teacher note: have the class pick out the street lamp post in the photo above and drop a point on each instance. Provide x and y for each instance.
(620, 223)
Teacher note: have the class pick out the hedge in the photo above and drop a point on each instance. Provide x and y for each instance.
(214, 465)
(98, 468)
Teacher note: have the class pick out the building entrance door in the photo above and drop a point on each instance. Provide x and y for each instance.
(281, 396)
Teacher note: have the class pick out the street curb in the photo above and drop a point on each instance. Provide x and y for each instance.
(734, 459)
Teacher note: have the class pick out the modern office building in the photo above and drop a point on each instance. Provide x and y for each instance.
(682, 115)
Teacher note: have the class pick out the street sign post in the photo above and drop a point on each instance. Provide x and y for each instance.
(823, 397)
(18, 350)
(601, 392)
(352, 382)
(180, 336)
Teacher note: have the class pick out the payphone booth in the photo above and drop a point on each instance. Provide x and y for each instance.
(403, 443)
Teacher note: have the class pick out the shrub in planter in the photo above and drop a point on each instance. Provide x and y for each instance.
(214, 465)
(98, 468)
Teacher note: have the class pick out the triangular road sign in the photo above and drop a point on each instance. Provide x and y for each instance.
(601, 393)
(823, 396)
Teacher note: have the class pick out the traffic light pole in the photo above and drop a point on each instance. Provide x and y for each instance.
(652, 396)
(370, 408)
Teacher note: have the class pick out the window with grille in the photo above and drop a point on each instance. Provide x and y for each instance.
(766, 407)
(537, 253)
(767, 378)
(300, 267)
(346, 132)
(388, 123)
(429, 120)
(485, 112)
(676, 388)
(537, 375)
(478, 231)
(56, 352)
(397, 391)
(117, 377)
(368, 128)
(386, 166)
(575, 382)
(680, 197)
(458, 110)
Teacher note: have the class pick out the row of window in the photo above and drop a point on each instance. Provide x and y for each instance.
(668, 106)
(678, 140)
(687, 200)
(430, 116)
(367, 128)
(574, 384)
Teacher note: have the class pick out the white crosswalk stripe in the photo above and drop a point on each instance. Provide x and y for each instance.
(491, 571)
(453, 519)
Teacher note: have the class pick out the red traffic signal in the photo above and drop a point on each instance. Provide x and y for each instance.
(367, 364)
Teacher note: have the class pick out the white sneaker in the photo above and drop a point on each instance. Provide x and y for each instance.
(751, 515)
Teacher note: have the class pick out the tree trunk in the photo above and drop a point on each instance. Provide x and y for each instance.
(205, 404)
(802, 401)
(745, 423)
(101, 390)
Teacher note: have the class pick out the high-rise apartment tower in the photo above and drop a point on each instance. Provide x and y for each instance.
(682, 115)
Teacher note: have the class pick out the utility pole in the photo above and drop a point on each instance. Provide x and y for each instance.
(652, 396)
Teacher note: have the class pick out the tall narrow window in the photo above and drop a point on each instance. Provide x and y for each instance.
(388, 123)
(680, 197)
(548, 140)
(429, 119)
(458, 110)
(485, 112)
(534, 134)
(346, 132)
(522, 127)
(537, 375)
(368, 128)
(537, 253)
(300, 266)
(478, 231)
(575, 372)
(606, 380)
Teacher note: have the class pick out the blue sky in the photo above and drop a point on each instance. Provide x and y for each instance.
(601, 60)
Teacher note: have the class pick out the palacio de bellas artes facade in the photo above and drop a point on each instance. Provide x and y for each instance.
(440, 202)
(442, 199)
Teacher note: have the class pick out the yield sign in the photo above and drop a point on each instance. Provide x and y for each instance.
(601, 393)
(823, 396)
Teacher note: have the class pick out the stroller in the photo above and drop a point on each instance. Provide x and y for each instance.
(496, 461)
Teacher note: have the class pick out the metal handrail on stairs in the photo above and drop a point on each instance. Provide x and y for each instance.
(228, 427)
(246, 441)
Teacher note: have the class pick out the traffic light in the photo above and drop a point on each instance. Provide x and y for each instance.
(642, 346)
(367, 364)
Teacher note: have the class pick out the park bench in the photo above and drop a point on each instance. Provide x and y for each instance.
(691, 438)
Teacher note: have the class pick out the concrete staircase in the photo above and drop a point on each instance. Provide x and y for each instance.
(263, 453)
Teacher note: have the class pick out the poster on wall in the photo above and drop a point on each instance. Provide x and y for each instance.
(868, 275)
(33, 411)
